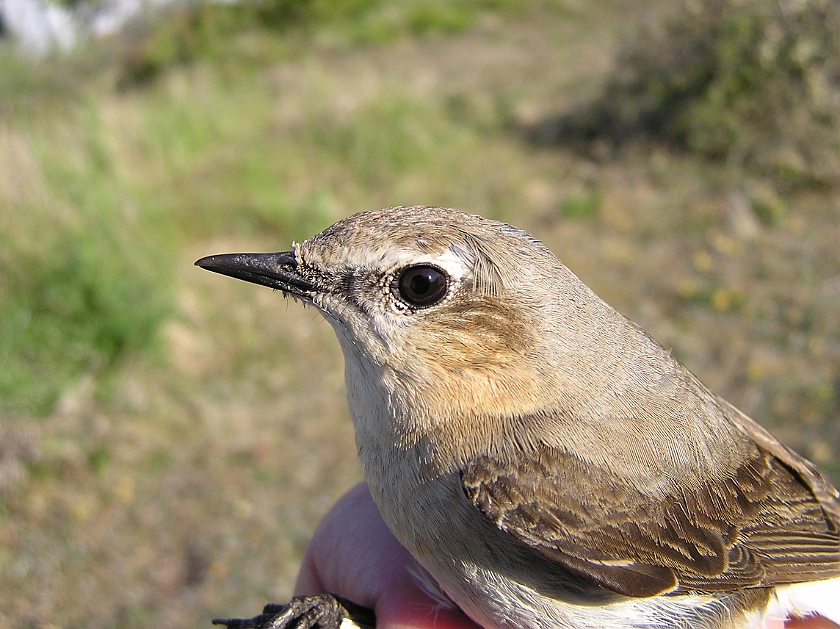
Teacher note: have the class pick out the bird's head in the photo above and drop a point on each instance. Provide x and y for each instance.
(429, 296)
(447, 318)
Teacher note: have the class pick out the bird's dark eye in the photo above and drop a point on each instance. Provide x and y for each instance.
(422, 286)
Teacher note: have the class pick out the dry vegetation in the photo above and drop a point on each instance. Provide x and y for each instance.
(169, 438)
(754, 83)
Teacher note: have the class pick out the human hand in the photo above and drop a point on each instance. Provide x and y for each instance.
(354, 554)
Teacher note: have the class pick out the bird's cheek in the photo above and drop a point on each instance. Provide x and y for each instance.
(476, 389)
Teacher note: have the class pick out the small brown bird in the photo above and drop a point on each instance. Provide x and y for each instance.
(545, 461)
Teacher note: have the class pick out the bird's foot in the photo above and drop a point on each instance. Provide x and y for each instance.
(323, 611)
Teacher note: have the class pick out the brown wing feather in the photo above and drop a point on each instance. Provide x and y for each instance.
(762, 527)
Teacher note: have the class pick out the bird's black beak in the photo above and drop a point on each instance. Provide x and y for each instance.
(275, 270)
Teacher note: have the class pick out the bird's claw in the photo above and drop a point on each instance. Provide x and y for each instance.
(322, 611)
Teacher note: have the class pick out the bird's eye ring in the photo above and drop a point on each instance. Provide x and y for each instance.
(421, 286)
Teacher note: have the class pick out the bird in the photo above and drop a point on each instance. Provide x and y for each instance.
(546, 462)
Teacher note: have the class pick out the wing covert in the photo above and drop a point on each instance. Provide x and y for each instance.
(761, 527)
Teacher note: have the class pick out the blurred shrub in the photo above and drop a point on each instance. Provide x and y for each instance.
(196, 32)
(754, 82)
(205, 29)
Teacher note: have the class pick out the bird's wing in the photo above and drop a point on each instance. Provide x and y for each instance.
(762, 526)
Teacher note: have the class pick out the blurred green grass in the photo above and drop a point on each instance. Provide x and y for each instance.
(168, 439)
(125, 175)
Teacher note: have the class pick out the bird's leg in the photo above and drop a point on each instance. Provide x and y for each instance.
(322, 611)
